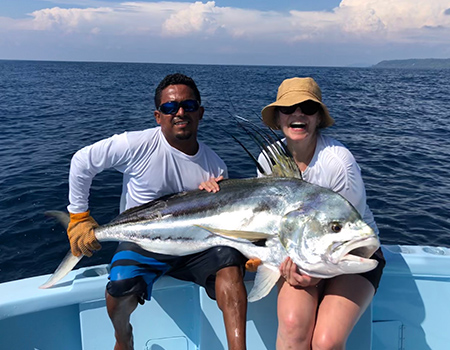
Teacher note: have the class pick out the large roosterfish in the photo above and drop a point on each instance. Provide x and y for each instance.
(267, 218)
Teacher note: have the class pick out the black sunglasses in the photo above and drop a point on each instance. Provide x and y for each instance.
(172, 107)
(308, 108)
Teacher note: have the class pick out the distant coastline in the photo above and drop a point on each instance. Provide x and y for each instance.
(415, 63)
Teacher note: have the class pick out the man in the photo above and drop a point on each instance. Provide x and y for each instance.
(156, 162)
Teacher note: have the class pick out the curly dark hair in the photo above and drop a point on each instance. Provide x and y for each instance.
(175, 79)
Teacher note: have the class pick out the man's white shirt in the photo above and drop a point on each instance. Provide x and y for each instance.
(151, 168)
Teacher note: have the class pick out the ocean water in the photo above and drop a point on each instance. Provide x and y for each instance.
(396, 123)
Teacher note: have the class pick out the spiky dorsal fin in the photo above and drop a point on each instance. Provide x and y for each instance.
(273, 149)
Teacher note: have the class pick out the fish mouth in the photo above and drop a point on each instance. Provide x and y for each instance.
(359, 251)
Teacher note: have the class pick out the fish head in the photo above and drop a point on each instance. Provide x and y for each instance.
(327, 238)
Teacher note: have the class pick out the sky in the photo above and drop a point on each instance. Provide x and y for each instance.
(246, 32)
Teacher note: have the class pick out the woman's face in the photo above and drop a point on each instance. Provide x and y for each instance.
(298, 124)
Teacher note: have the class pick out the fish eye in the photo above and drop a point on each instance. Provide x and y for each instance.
(336, 227)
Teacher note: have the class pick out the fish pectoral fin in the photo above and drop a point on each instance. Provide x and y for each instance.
(251, 236)
(265, 279)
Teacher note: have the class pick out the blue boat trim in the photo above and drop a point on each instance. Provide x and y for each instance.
(409, 311)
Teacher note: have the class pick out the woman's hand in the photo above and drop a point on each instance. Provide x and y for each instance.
(293, 276)
(211, 185)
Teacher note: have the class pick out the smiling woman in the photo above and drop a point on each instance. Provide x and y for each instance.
(305, 301)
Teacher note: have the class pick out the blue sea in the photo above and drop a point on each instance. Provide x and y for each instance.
(396, 123)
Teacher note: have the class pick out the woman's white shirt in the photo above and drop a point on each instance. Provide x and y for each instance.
(333, 166)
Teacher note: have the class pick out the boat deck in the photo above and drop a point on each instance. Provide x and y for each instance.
(408, 312)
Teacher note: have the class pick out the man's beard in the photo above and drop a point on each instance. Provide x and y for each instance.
(184, 136)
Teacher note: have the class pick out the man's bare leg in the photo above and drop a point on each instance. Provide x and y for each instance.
(119, 311)
(231, 298)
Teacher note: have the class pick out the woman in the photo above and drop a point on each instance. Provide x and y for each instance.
(314, 313)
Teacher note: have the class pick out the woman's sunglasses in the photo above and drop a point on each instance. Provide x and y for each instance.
(308, 108)
(172, 107)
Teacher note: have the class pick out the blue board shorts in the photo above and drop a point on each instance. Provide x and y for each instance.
(134, 270)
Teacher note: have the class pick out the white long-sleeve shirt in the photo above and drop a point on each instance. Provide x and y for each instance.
(333, 166)
(151, 168)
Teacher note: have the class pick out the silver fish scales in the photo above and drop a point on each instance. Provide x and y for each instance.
(266, 218)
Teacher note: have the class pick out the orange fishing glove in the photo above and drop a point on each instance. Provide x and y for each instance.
(252, 264)
(81, 234)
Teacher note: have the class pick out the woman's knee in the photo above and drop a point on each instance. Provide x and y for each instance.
(295, 328)
(327, 341)
(296, 315)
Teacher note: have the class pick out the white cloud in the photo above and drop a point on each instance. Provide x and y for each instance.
(393, 20)
(68, 19)
(382, 19)
(226, 29)
(196, 18)
(377, 19)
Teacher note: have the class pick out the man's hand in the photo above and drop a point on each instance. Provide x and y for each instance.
(292, 276)
(81, 234)
(211, 185)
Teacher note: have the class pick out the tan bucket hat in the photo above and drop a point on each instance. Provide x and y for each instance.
(291, 92)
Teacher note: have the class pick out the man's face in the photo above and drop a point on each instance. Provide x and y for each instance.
(180, 126)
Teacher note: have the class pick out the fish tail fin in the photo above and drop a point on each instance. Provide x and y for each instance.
(63, 269)
(62, 217)
(265, 279)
